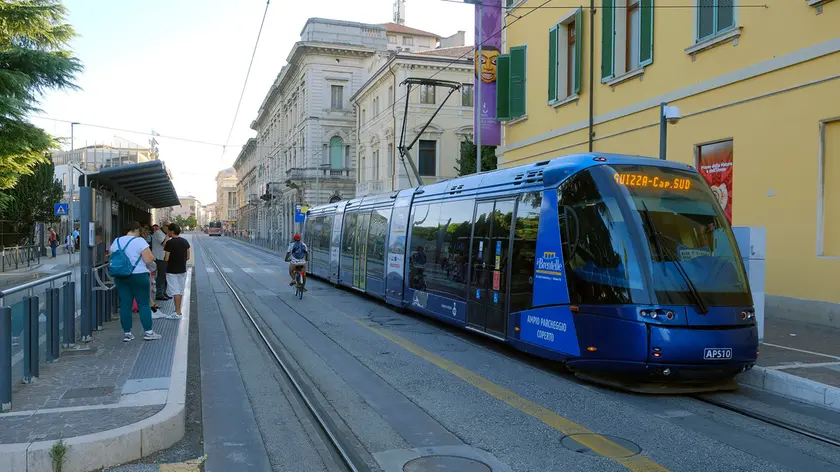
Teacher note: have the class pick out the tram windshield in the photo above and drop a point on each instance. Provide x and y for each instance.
(684, 239)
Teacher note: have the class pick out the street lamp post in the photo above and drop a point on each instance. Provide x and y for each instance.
(70, 168)
(667, 114)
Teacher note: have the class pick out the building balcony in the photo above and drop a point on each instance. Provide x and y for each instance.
(326, 173)
(370, 187)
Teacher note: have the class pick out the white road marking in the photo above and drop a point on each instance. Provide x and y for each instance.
(248, 270)
(797, 365)
(210, 270)
(227, 270)
(268, 269)
(803, 350)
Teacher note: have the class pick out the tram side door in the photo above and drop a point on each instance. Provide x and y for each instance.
(360, 252)
(489, 252)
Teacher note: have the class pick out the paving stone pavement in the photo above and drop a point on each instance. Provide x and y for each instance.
(68, 424)
(105, 362)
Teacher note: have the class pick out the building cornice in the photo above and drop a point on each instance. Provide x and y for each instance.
(407, 59)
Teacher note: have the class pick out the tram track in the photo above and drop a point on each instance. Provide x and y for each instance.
(550, 368)
(349, 460)
(787, 425)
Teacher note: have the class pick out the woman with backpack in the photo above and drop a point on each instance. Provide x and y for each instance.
(129, 257)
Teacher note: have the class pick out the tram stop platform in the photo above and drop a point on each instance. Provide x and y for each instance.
(110, 401)
(798, 360)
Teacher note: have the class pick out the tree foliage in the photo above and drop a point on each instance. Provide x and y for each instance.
(191, 222)
(465, 163)
(32, 200)
(34, 58)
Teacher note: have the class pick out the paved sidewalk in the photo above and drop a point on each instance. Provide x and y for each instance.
(112, 402)
(47, 266)
(799, 360)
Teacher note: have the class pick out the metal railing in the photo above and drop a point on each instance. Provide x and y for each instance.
(15, 257)
(40, 317)
(325, 173)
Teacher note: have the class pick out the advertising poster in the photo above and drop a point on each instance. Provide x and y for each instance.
(490, 18)
(714, 161)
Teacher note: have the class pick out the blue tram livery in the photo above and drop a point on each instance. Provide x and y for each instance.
(623, 268)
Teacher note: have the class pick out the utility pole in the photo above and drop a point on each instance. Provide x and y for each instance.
(478, 82)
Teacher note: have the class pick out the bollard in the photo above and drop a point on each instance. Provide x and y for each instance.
(30, 339)
(53, 317)
(100, 309)
(5, 359)
(68, 315)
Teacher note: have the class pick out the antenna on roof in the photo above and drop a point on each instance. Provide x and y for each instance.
(399, 12)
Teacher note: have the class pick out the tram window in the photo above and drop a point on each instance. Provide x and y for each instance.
(450, 275)
(601, 266)
(524, 251)
(321, 239)
(376, 243)
(423, 250)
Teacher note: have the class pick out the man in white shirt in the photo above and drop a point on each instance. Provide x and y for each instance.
(158, 240)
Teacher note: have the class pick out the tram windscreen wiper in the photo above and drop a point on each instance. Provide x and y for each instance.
(661, 247)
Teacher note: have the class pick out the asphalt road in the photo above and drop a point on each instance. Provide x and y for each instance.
(399, 386)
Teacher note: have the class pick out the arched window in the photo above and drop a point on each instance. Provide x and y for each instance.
(336, 150)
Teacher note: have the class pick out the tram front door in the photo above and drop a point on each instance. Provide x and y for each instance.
(489, 247)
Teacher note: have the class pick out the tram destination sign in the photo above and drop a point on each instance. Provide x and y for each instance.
(638, 180)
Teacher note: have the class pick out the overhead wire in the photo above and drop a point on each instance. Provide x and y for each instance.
(247, 75)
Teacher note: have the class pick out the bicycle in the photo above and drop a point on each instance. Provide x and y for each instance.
(300, 282)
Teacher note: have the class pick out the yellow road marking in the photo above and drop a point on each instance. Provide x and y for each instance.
(242, 257)
(595, 442)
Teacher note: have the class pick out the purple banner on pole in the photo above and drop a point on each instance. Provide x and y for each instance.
(489, 19)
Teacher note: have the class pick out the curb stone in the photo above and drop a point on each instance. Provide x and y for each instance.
(792, 386)
(120, 445)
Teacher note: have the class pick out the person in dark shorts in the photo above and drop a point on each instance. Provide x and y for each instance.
(176, 255)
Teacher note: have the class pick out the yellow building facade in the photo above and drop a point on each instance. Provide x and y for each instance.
(764, 80)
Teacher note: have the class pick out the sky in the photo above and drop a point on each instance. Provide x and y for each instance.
(177, 67)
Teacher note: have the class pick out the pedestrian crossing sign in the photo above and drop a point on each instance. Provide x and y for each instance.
(61, 209)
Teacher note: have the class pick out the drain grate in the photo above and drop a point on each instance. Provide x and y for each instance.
(438, 463)
(87, 392)
(608, 446)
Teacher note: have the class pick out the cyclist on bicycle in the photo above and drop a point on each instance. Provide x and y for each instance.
(296, 257)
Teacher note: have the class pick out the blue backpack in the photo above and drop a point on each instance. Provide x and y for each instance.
(119, 265)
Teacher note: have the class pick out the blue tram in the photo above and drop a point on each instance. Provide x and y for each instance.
(624, 268)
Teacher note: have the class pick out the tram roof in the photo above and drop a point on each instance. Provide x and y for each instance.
(145, 182)
(553, 171)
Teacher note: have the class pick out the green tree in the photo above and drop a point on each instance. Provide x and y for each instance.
(465, 163)
(191, 222)
(31, 201)
(180, 221)
(34, 58)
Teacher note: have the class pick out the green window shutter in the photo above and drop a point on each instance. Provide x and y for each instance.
(503, 87)
(646, 32)
(607, 39)
(578, 50)
(552, 64)
(517, 81)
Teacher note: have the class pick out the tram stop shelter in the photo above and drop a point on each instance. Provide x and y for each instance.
(109, 200)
